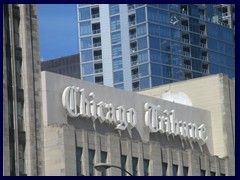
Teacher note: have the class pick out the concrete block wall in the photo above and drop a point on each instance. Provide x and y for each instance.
(59, 151)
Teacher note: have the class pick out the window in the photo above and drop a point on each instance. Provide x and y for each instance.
(85, 28)
(88, 78)
(123, 164)
(143, 70)
(135, 166)
(146, 167)
(116, 37)
(163, 6)
(99, 79)
(118, 77)
(213, 44)
(230, 62)
(142, 43)
(91, 154)
(117, 63)
(119, 86)
(177, 74)
(20, 116)
(221, 46)
(164, 18)
(114, 9)
(165, 45)
(103, 160)
(229, 49)
(167, 71)
(82, 5)
(156, 69)
(143, 56)
(154, 43)
(139, 5)
(95, 12)
(212, 173)
(174, 7)
(115, 23)
(155, 56)
(176, 34)
(86, 56)
(212, 29)
(86, 42)
(16, 32)
(10, 112)
(203, 173)
(166, 58)
(177, 60)
(194, 10)
(153, 29)
(141, 30)
(156, 81)
(21, 159)
(144, 82)
(79, 160)
(175, 170)
(19, 74)
(165, 32)
(12, 158)
(140, 15)
(176, 48)
(84, 13)
(194, 39)
(87, 68)
(185, 170)
(227, 35)
(153, 15)
(164, 169)
(135, 85)
(117, 50)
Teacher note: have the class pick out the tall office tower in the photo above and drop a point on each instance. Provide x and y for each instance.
(21, 91)
(136, 46)
(67, 65)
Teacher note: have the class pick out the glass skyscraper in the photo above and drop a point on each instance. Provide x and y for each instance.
(137, 46)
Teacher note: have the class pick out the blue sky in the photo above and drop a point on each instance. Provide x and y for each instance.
(57, 30)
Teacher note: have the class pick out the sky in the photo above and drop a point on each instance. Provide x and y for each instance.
(57, 30)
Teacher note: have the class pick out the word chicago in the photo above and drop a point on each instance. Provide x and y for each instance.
(77, 104)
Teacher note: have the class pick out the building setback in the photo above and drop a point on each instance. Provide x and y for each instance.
(67, 65)
(217, 94)
(137, 46)
(22, 116)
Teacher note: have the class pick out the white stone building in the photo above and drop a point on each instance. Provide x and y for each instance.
(80, 132)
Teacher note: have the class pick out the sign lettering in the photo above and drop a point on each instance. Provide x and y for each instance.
(77, 103)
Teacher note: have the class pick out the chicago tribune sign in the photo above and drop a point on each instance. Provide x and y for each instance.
(77, 103)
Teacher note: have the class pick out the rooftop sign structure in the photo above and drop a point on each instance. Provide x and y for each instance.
(77, 103)
(129, 115)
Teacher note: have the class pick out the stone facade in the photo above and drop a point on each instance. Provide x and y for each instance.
(22, 91)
